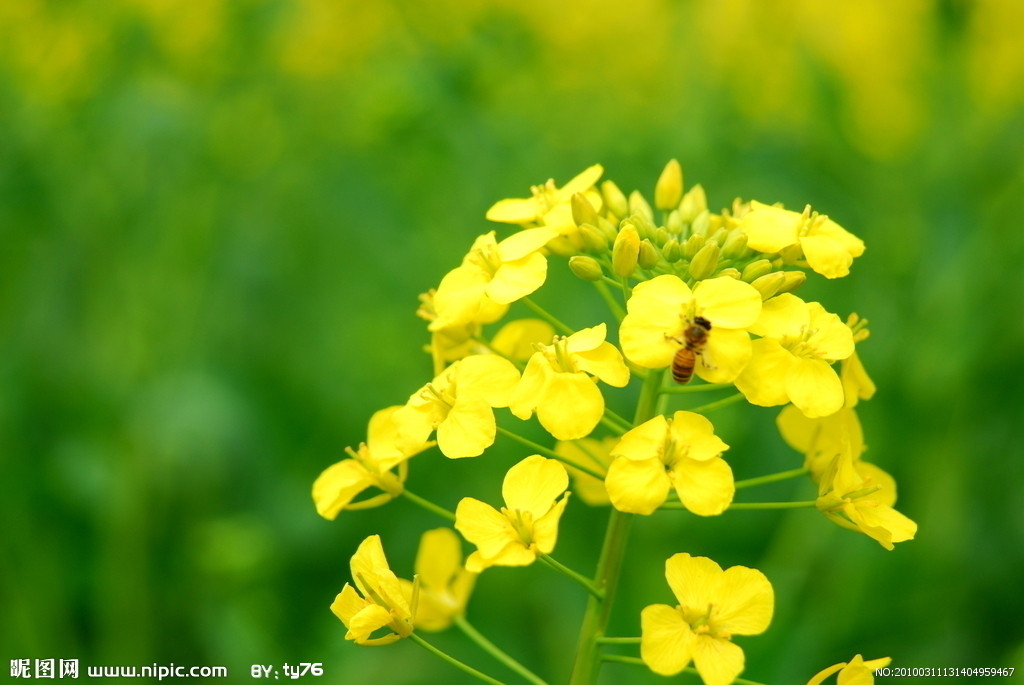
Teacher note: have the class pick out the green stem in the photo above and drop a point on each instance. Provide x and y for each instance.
(738, 506)
(711, 406)
(609, 565)
(624, 282)
(465, 668)
(544, 314)
(428, 505)
(473, 634)
(687, 389)
(770, 478)
(618, 640)
(541, 449)
(573, 575)
(606, 295)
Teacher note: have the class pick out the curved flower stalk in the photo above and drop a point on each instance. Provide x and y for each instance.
(713, 606)
(526, 527)
(370, 465)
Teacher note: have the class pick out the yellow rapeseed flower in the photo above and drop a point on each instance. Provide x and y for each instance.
(662, 308)
(458, 405)
(792, 361)
(682, 453)
(713, 606)
(444, 584)
(826, 246)
(491, 276)
(855, 672)
(380, 602)
(559, 383)
(368, 466)
(821, 439)
(526, 526)
(862, 500)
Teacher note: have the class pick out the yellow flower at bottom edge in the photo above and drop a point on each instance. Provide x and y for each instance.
(682, 453)
(445, 585)
(713, 606)
(526, 527)
(862, 499)
(370, 465)
(855, 672)
(558, 383)
(380, 601)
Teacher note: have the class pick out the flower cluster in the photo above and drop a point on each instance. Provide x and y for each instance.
(711, 296)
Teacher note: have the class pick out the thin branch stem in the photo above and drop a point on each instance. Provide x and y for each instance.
(550, 453)
(550, 318)
(618, 640)
(711, 406)
(428, 505)
(465, 668)
(739, 506)
(587, 584)
(473, 634)
(688, 389)
(606, 295)
(770, 478)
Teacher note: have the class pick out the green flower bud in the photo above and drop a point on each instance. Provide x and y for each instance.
(756, 269)
(626, 250)
(730, 272)
(672, 250)
(719, 236)
(609, 229)
(669, 189)
(661, 236)
(593, 239)
(794, 279)
(735, 245)
(614, 199)
(769, 284)
(692, 245)
(582, 211)
(638, 205)
(693, 203)
(675, 222)
(586, 268)
(648, 257)
(700, 223)
(705, 262)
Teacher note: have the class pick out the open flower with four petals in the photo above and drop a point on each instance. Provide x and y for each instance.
(377, 601)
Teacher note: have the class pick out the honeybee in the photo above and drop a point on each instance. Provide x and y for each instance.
(695, 337)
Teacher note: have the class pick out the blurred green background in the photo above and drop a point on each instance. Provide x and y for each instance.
(217, 216)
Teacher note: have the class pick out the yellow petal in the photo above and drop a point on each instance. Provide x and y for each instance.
(367, 562)
(781, 316)
(338, 485)
(821, 676)
(694, 436)
(769, 229)
(666, 640)
(694, 581)
(514, 211)
(483, 526)
(516, 339)
(347, 604)
(637, 486)
(488, 375)
(885, 525)
(439, 558)
(514, 553)
(468, 429)
(416, 421)
(593, 454)
(857, 385)
(726, 354)
(606, 363)
(545, 529)
(718, 661)
(517, 279)
(705, 487)
(586, 339)
(826, 256)
(458, 298)
(533, 484)
(571, 406)
(746, 604)
(654, 319)
(763, 380)
(727, 302)
(524, 243)
(646, 441)
(367, 620)
(531, 386)
(832, 339)
(581, 182)
(813, 386)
